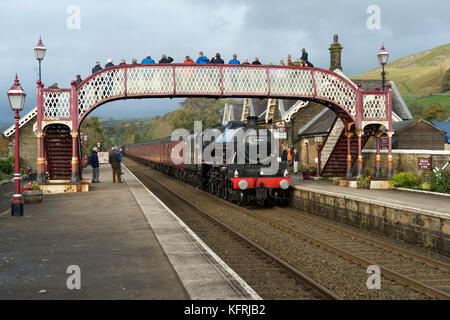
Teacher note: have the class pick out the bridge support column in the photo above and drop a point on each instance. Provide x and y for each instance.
(349, 155)
(360, 158)
(378, 156)
(390, 171)
(75, 174)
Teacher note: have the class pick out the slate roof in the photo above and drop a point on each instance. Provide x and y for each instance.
(444, 125)
(259, 106)
(320, 124)
(401, 125)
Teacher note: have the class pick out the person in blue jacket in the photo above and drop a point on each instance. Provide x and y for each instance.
(93, 161)
(97, 67)
(201, 58)
(148, 59)
(120, 151)
(109, 63)
(234, 60)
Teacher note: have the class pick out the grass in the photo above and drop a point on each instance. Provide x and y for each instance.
(417, 104)
(418, 74)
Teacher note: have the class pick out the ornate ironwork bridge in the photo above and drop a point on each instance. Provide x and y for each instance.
(356, 109)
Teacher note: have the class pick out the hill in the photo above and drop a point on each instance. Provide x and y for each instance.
(418, 74)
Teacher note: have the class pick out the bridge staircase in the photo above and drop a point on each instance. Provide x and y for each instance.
(333, 155)
(58, 143)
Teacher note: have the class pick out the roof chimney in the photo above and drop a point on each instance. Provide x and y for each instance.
(335, 54)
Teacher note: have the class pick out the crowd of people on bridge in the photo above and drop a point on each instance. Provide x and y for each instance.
(202, 59)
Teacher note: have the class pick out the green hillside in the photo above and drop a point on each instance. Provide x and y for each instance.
(418, 74)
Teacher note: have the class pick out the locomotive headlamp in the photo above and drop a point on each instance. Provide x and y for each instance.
(286, 173)
(236, 174)
(243, 184)
(284, 184)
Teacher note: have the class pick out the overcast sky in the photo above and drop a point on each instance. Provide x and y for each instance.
(265, 28)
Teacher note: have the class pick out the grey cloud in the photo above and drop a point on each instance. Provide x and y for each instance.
(265, 28)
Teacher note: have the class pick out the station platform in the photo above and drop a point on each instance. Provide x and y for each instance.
(420, 219)
(424, 202)
(127, 244)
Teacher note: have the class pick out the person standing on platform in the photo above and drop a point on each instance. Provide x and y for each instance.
(114, 160)
(256, 61)
(78, 80)
(93, 161)
(148, 59)
(165, 59)
(296, 159)
(217, 59)
(201, 58)
(97, 67)
(284, 155)
(188, 60)
(234, 60)
(120, 158)
(304, 58)
(245, 61)
(109, 63)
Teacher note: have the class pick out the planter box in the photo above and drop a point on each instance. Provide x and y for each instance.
(32, 196)
(363, 185)
(309, 175)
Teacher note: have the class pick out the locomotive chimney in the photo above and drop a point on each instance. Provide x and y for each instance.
(252, 122)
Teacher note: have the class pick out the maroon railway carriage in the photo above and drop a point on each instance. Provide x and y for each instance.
(246, 182)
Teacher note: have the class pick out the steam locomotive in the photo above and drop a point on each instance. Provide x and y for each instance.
(237, 161)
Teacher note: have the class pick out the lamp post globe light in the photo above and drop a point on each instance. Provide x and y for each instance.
(16, 97)
(383, 57)
(85, 158)
(39, 52)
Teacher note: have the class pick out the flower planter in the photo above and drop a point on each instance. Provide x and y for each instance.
(32, 196)
(309, 175)
(363, 185)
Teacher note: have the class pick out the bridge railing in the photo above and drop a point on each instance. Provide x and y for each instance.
(216, 81)
(56, 103)
(376, 105)
(184, 80)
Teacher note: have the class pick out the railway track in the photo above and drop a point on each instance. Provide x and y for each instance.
(268, 275)
(420, 273)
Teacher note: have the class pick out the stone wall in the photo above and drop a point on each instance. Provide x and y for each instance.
(405, 161)
(28, 145)
(426, 229)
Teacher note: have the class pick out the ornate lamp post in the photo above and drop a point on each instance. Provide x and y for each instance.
(383, 57)
(85, 138)
(16, 97)
(39, 52)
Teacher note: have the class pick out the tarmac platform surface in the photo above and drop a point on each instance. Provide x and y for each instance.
(421, 201)
(126, 243)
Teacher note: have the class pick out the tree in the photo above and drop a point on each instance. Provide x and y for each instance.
(434, 112)
(446, 81)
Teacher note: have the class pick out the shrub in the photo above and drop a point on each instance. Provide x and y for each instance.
(440, 181)
(309, 168)
(6, 165)
(405, 180)
(426, 186)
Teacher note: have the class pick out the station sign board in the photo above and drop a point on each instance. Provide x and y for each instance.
(384, 143)
(424, 163)
(103, 157)
(280, 135)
